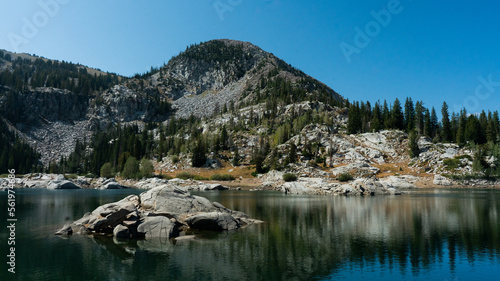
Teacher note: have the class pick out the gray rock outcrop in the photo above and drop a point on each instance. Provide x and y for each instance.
(158, 227)
(111, 184)
(161, 213)
(358, 187)
(440, 180)
(62, 184)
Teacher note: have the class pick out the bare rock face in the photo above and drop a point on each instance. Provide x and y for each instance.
(172, 200)
(159, 213)
(158, 227)
(106, 217)
(358, 168)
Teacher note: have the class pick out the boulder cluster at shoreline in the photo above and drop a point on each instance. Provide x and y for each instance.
(313, 185)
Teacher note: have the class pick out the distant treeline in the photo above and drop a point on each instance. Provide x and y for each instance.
(459, 128)
(47, 73)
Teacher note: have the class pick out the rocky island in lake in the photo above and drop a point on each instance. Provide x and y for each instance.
(163, 212)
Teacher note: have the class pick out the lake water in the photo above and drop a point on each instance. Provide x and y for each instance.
(426, 235)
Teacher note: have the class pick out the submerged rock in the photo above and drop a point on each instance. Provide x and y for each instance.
(66, 230)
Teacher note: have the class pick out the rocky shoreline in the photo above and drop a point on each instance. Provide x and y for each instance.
(319, 185)
(56, 181)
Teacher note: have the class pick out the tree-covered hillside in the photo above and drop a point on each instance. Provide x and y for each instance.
(21, 74)
(15, 154)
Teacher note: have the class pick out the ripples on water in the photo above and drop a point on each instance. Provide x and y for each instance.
(437, 235)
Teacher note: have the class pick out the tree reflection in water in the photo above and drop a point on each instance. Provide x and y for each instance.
(442, 234)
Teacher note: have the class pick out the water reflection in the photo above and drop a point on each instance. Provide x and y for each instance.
(443, 234)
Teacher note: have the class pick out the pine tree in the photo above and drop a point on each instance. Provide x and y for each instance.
(472, 130)
(292, 153)
(483, 125)
(419, 117)
(354, 119)
(492, 129)
(409, 115)
(434, 124)
(258, 159)
(414, 151)
(386, 116)
(454, 126)
(199, 158)
(11, 163)
(274, 159)
(376, 124)
(236, 157)
(397, 118)
(462, 123)
(445, 123)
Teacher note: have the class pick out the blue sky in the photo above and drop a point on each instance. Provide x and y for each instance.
(433, 51)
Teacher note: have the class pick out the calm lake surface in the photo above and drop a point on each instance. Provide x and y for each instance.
(426, 235)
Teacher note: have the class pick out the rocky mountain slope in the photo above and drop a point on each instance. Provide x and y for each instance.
(53, 105)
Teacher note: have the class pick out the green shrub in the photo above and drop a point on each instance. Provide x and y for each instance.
(224, 177)
(189, 176)
(184, 176)
(70, 176)
(175, 159)
(451, 164)
(146, 168)
(468, 157)
(107, 171)
(90, 175)
(165, 177)
(131, 168)
(345, 177)
(289, 177)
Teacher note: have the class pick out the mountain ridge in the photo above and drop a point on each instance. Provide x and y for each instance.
(201, 81)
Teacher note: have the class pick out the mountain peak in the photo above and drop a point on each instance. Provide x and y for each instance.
(209, 75)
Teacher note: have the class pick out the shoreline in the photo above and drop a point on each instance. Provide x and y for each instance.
(271, 181)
